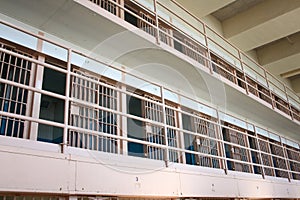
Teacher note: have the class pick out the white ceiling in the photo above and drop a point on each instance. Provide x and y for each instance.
(269, 29)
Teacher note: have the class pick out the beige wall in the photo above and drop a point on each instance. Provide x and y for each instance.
(213, 23)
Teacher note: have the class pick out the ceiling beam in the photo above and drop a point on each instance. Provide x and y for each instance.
(296, 84)
(291, 73)
(281, 57)
(258, 26)
(280, 49)
(201, 8)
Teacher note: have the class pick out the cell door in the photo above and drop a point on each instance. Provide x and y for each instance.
(13, 99)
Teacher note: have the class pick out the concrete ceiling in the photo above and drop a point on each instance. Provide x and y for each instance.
(269, 29)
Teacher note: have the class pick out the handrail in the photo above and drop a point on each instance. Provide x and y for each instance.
(180, 18)
(205, 26)
(178, 149)
(50, 41)
(184, 33)
(225, 40)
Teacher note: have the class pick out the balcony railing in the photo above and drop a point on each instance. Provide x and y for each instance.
(202, 44)
(121, 113)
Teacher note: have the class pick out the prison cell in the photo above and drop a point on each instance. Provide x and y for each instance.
(87, 115)
(91, 93)
(255, 154)
(223, 68)
(14, 99)
(194, 51)
(266, 157)
(134, 13)
(164, 34)
(294, 161)
(203, 141)
(154, 134)
(237, 136)
(278, 159)
(189, 47)
(295, 113)
(281, 104)
(172, 133)
(206, 145)
(145, 26)
(264, 93)
(252, 86)
(107, 5)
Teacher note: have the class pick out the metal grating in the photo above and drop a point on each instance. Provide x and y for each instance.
(172, 134)
(294, 162)
(279, 162)
(236, 152)
(87, 115)
(107, 5)
(266, 158)
(154, 134)
(206, 145)
(194, 51)
(13, 99)
(224, 69)
(146, 26)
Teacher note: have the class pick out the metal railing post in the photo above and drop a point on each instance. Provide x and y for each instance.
(271, 96)
(245, 78)
(208, 51)
(166, 151)
(67, 102)
(222, 146)
(260, 155)
(286, 159)
(156, 21)
(289, 104)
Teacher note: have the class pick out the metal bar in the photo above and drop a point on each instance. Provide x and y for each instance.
(222, 146)
(286, 160)
(260, 155)
(166, 152)
(208, 51)
(67, 102)
(156, 22)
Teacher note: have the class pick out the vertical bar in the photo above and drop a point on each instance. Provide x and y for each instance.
(156, 21)
(123, 119)
(247, 144)
(286, 160)
(271, 96)
(36, 102)
(222, 146)
(242, 66)
(29, 97)
(289, 104)
(271, 157)
(166, 152)
(260, 155)
(121, 11)
(208, 51)
(67, 103)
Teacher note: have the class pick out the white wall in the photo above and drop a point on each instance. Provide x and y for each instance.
(25, 167)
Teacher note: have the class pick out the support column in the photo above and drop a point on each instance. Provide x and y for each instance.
(181, 135)
(260, 155)
(67, 103)
(36, 102)
(156, 22)
(123, 119)
(222, 146)
(209, 61)
(166, 151)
